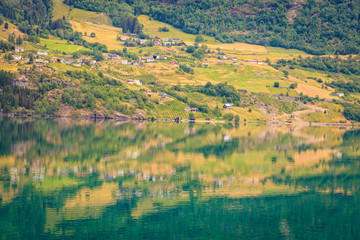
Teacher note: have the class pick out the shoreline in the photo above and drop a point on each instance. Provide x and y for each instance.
(128, 119)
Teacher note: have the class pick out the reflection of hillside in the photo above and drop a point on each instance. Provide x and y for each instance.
(88, 203)
(150, 167)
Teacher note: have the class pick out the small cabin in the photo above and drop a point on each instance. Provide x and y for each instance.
(16, 57)
(113, 56)
(19, 49)
(227, 106)
(42, 53)
(162, 95)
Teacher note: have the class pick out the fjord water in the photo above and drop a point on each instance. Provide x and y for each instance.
(72, 179)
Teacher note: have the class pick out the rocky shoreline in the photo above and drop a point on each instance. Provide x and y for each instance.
(125, 118)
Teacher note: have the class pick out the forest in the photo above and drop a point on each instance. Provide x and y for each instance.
(329, 26)
(329, 64)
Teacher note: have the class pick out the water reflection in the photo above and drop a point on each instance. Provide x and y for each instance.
(81, 179)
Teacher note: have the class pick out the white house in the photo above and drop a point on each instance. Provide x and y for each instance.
(223, 56)
(227, 106)
(124, 38)
(143, 41)
(42, 53)
(16, 57)
(124, 61)
(19, 49)
(137, 82)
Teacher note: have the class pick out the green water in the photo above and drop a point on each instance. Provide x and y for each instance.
(71, 179)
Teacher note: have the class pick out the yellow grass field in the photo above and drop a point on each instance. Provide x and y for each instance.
(103, 33)
(75, 14)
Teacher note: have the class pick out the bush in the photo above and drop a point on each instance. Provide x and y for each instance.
(293, 86)
(191, 116)
(276, 84)
(229, 116)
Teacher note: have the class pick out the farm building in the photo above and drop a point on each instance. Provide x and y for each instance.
(227, 106)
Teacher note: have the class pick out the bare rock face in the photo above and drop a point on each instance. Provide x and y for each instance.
(140, 115)
(99, 114)
(121, 117)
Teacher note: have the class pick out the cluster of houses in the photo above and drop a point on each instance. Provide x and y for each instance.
(187, 109)
(156, 41)
(149, 59)
(135, 81)
(222, 57)
(38, 58)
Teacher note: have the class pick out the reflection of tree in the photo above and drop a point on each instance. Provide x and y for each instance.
(340, 174)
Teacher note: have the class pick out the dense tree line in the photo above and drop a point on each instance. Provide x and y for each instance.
(329, 26)
(223, 90)
(34, 12)
(13, 97)
(329, 64)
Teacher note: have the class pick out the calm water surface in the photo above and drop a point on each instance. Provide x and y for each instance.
(67, 179)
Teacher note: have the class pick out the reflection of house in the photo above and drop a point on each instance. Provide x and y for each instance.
(226, 137)
(191, 131)
(227, 106)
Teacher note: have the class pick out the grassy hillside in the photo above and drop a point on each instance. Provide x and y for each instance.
(112, 92)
